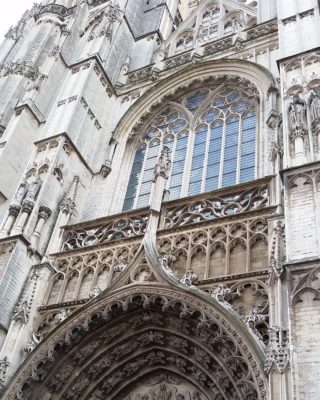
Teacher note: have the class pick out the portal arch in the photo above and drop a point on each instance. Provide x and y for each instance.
(116, 344)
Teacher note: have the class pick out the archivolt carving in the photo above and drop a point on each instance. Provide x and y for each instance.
(142, 110)
(135, 336)
(250, 299)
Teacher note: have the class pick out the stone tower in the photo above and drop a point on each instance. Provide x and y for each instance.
(160, 200)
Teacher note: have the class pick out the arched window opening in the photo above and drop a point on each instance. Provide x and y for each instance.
(210, 23)
(220, 151)
(170, 129)
(184, 42)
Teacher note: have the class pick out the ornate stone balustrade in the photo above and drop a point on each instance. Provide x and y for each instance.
(108, 230)
(178, 213)
(22, 69)
(178, 59)
(140, 74)
(218, 45)
(262, 29)
(216, 205)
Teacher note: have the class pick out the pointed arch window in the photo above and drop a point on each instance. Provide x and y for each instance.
(184, 42)
(210, 23)
(212, 143)
(170, 129)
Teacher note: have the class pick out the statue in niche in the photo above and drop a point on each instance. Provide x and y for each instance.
(164, 393)
(314, 102)
(34, 188)
(297, 115)
(21, 192)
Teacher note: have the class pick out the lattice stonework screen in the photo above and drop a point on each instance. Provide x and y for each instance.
(212, 138)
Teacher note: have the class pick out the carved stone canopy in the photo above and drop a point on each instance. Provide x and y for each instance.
(140, 343)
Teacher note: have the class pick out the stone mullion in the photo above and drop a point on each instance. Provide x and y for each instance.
(249, 236)
(227, 266)
(207, 266)
(64, 285)
(79, 281)
(239, 149)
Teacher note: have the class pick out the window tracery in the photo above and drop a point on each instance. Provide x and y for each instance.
(211, 134)
(210, 23)
(184, 42)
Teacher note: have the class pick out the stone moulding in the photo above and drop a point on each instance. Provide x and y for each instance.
(57, 9)
(205, 312)
(186, 78)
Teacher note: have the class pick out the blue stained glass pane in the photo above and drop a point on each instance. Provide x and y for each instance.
(134, 178)
(247, 162)
(218, 102)
(212, 183)
(175, 193)
(201, 137)
(229, 179)
(176, 180)
(178, 166)
(196, 99)
(182, 142)
(247, 174)
(168, 139)
(145, 188)
(197, 161)
(230, 153)
(196, 174)
(148, 175)
(150, 164)
(210, 115)
(128, 205)
(143, 201)
(194, 188)
(153, 151)
(177, 125)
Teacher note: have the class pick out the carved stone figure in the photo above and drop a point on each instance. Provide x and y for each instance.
(190, 278)
(297, 115)
(314, 102)
(21, 193)
(34, 188)
(221, 292)
(163, 165)
(95, 292)
(62, 315)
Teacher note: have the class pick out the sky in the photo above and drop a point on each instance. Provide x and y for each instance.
(11, 12)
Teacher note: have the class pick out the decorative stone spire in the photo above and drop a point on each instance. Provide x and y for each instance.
(67, 204)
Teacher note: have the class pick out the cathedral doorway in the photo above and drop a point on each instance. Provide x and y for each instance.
(145, 343)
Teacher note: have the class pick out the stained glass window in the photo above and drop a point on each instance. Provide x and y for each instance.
(219, 151)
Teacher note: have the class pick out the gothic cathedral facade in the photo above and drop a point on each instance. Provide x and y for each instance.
(160, 201)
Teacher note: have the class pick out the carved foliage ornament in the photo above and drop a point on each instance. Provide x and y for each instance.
(278, 350)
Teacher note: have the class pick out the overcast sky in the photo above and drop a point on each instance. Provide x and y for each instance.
(11, 12)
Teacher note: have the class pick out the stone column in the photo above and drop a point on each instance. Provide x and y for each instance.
(44, 214)
(27, 207)
(14, 211)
